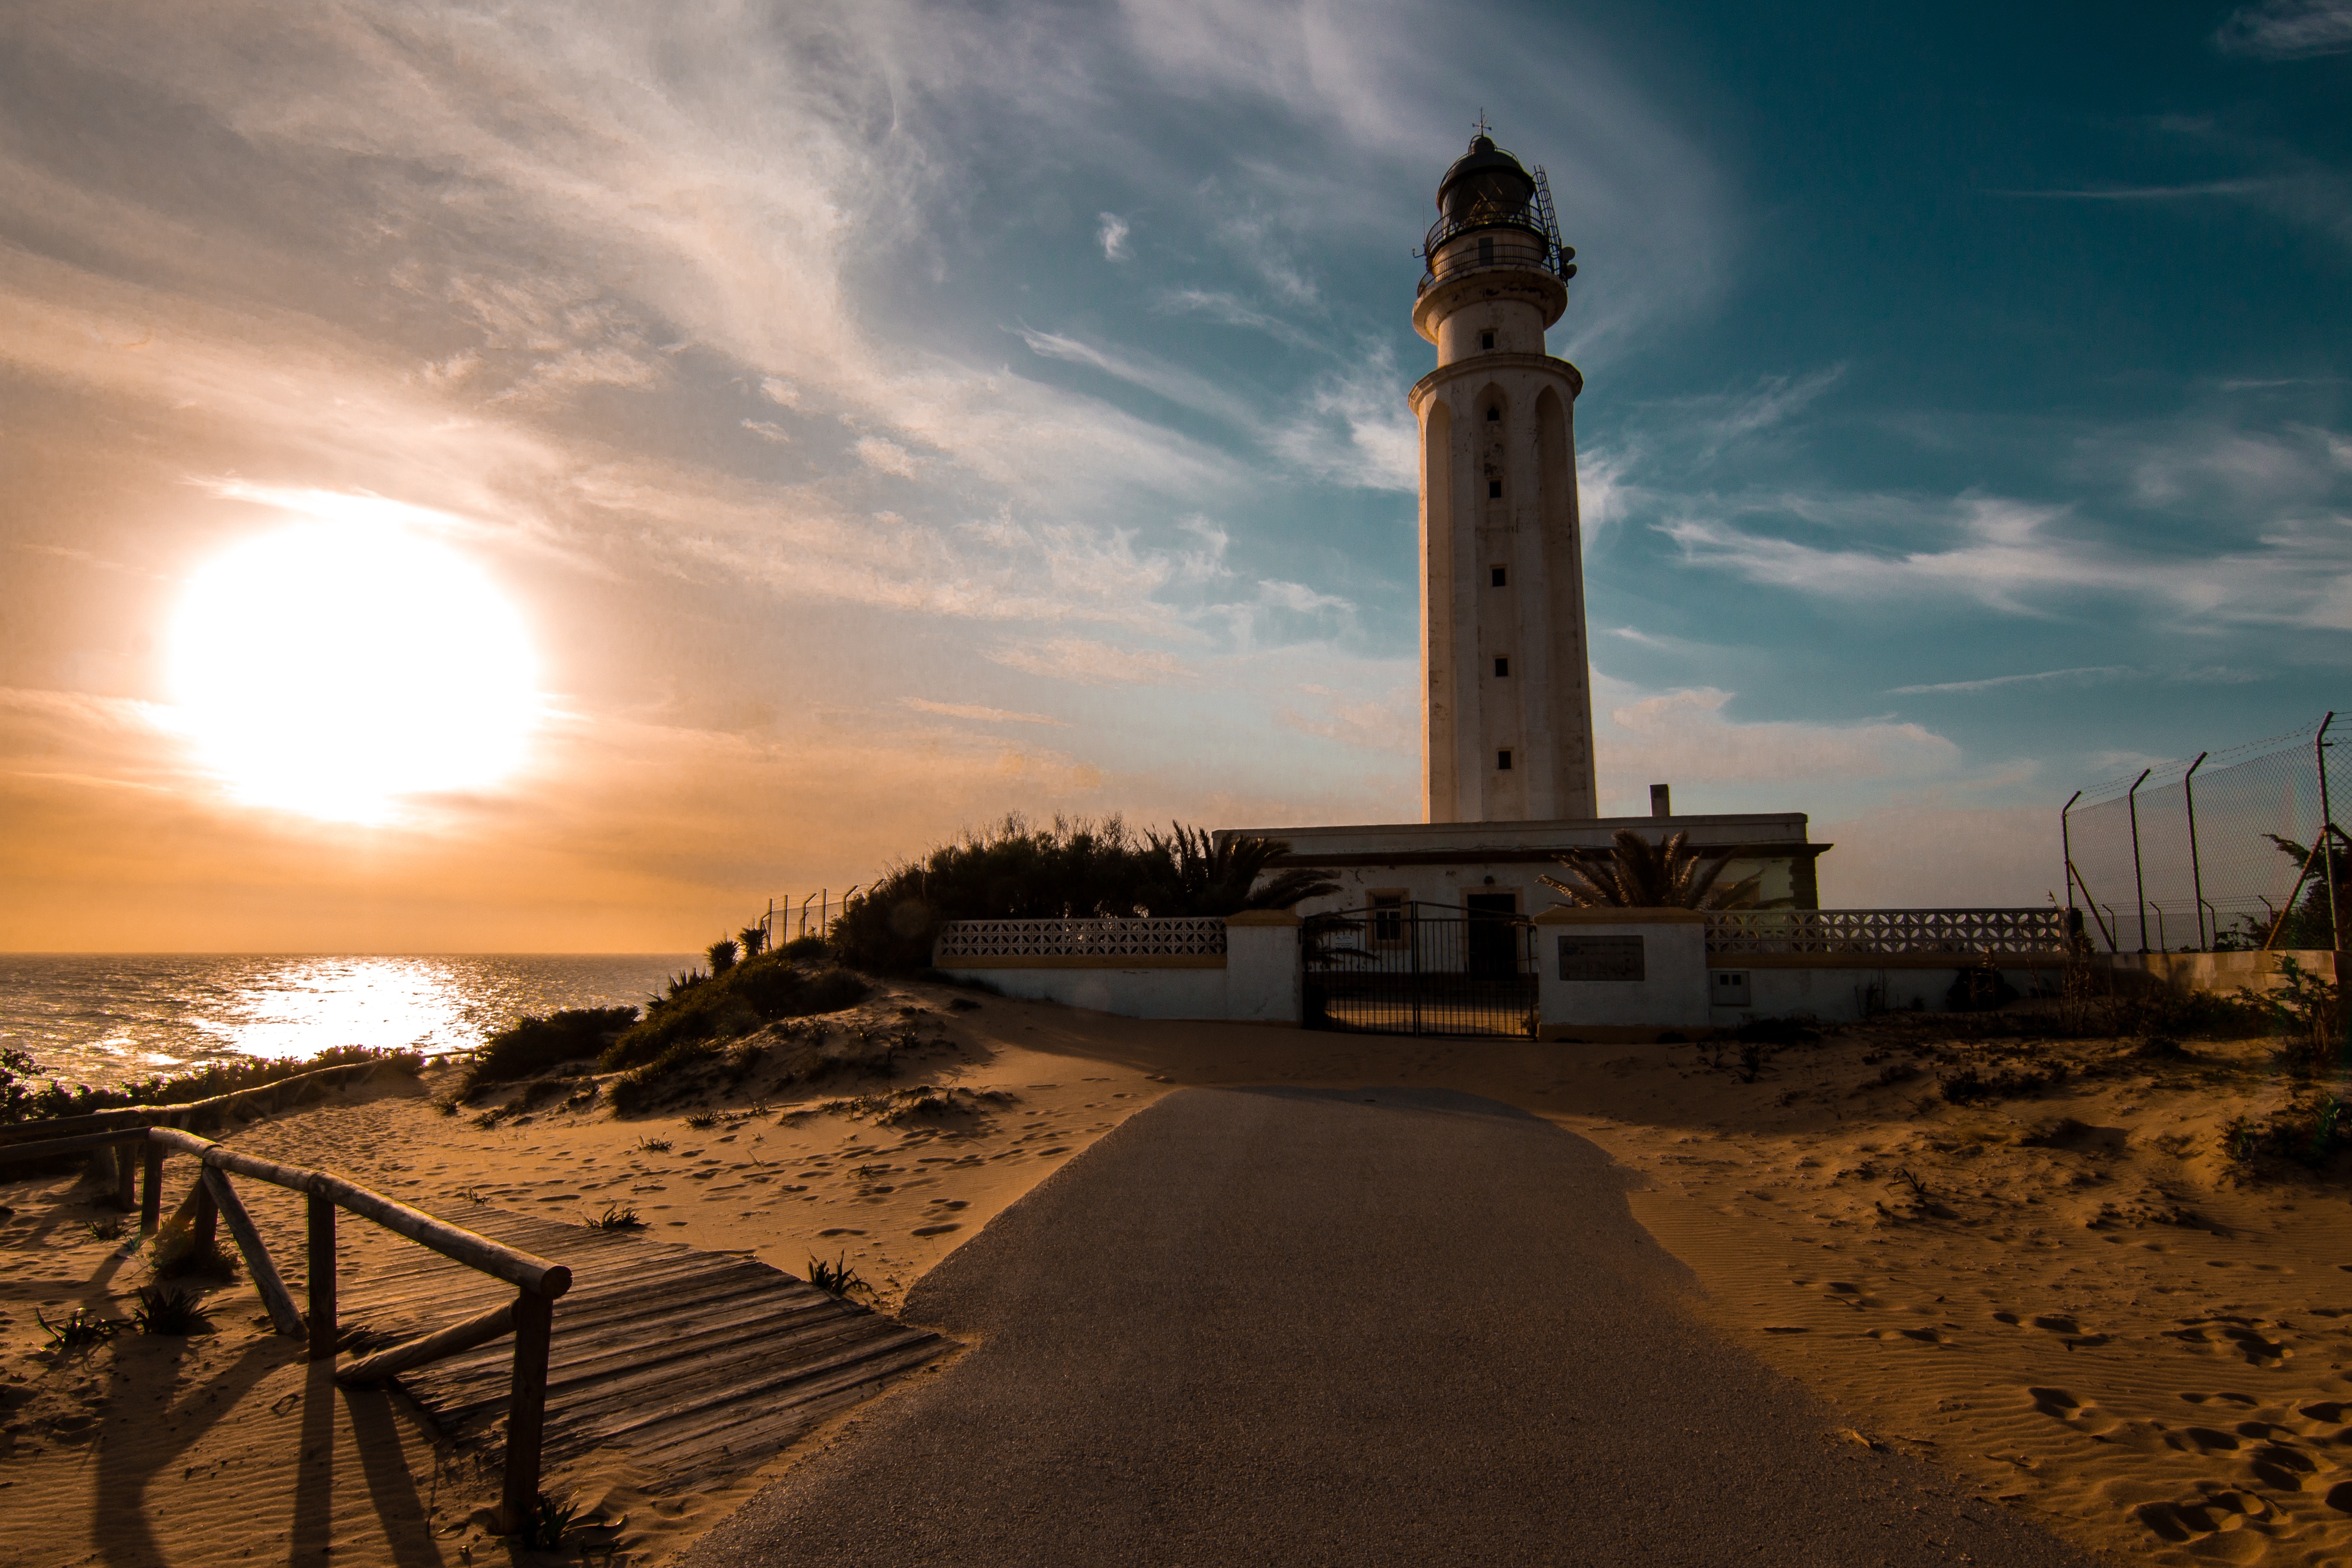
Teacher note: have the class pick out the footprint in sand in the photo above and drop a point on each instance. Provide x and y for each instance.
(937, 1229)
(2084, 1417)
(2198, 1517)
(2328, 1410)
(2244, 1335)
(1921, 1336)
(2202, 1440)
(2283, 1468)
(2248, 1400)
(841, 1230)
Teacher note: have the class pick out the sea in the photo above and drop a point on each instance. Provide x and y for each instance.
(105, 1018)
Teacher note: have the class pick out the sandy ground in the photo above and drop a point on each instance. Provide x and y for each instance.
(2072, 1300)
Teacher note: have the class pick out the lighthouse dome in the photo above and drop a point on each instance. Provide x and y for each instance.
(1485, 184)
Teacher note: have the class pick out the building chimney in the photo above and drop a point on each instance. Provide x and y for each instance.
(1661, 801)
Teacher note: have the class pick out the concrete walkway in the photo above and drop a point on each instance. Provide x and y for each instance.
(1378, 1326)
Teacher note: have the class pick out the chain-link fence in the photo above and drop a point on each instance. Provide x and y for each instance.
(2186, 856)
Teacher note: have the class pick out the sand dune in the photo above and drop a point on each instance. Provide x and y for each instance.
(2074, 1300)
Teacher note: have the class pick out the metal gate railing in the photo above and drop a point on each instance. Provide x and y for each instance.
(1419, 969)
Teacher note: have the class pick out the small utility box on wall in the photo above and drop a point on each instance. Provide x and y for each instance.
(1730, 987)
(1620, 974)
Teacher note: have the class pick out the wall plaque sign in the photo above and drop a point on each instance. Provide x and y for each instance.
(1601, 958)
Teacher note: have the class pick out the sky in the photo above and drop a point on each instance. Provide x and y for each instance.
(871, 419)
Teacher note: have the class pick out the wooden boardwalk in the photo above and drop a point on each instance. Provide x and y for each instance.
(696, 1362)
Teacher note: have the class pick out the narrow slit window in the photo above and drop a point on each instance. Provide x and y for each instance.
(1503, 668)
(1499, 576)
(1493, 490)
(1486, 257)
(1485, 340)
(1494, 416)
(1502, 762)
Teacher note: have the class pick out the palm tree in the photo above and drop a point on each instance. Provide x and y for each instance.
(1191, 874)
(1634, 873)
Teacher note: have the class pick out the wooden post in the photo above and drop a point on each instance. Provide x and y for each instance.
(534, 1324)
(273, 1294)
(204, 1227)
(126, 1177)
(322, 1277)
(151, 1192)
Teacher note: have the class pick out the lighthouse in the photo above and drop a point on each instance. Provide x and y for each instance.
(1506, 690)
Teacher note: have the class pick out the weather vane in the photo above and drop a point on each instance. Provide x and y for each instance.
(1482, 128)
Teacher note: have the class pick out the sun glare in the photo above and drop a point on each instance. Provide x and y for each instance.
(331, 667)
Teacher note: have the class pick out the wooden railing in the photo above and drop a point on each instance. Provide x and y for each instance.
(530, 1317)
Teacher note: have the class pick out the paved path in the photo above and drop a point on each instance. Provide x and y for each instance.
(1295, 1327)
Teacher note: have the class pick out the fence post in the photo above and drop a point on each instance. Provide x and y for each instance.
(150, 1191)
(2326, 831)
(272, 1290)
(2195, 870)
(534, 1324)
(126, 1174)
(203, 1226)
(323, 1276)
(2139, 884)
(2066, 845)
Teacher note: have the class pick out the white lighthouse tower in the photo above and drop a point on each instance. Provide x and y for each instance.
(1507, 693)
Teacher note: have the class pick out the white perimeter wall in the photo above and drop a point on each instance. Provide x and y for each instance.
(1130, 992)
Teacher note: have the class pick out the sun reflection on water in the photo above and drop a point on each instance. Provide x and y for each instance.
(105, 1018)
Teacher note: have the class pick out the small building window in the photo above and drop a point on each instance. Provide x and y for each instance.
(1388, 913)
(1502, 762)
(1503, 667)
(1485, 340)
(1493, 490)
(1499, 576)
(1494, 416)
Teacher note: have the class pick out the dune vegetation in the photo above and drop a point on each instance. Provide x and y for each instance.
(1077, 868)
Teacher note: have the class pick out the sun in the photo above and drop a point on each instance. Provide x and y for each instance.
(333, 666)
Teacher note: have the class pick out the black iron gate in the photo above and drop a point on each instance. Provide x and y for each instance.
(1420, 969)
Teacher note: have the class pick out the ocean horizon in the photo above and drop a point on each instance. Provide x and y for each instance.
(106, 1018)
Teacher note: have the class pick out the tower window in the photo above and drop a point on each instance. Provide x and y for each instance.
(1493, 490)
(1485, 340)
(1486, 257)
(1502, 762)
(1494, 416)
(1503, 667)
(1499, 576)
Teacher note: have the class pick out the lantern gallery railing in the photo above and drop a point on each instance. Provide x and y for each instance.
(1174, 937)
(1887, 930)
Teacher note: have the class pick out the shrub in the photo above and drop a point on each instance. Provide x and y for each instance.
(166, 1312)
(532, 1045)
(79, 1330)
(1980, 988)
(723, 954)
(807, 949)
(641, 1086)
(1077, 868)
(21, 1102)
(1777, 1032)
(836, 1278)
(1972, 1086)
(754, 992)
(2311, 1132)
(615, 1218)
(174, 1254)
